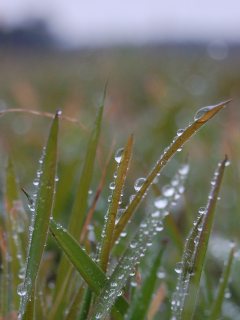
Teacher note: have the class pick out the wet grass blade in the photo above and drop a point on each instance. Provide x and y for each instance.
(201, 117)
(217, 304)
(80, 204)
(189, 303)
(4, 276)
(43, 210)
(157, 301)
(12, 197)
(112, 212)
(75, 305)
(86, 303)
(142, 300)
(90, 272)
(29, 314)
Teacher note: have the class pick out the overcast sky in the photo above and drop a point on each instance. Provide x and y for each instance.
(128, 21)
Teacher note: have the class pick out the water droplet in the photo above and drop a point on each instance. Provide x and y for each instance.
(123, 234)
(90, 192)
(201, 112)
(168, 190)
(159, 226)
(21, 289)
(35, 182)
(178, 267)
(163, 162)
(227, 294)
(183, 169)
(232, 243)
(190, 123)
(139, 183)
(165, 150)
(119, 214)
(160, 202)
(161, 274)
(98, 315)
(118, 155)
(180, 132)
(31, 228)
(175, 138)
(112, 185)
(202, 210)
(133, 244)
(131, 198)
(155, 214)
(179, 149)
(109, 198)
(59, 112)
(227, 163)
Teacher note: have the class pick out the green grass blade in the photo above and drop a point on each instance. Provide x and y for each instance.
(76, 304)
(4, 279)
(14, 246)
(112, 212)
(86, 303)
(217, 304)
(43, 210)
(29, 314)
(90, 272)
(182, 137)
(189, 304)
(80, 204)
(140, 305)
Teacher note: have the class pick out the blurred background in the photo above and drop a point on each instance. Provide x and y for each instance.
(166, 59)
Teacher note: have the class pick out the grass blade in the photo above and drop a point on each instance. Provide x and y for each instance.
(43, 210)
(189, 304)
(201, 117)
(75, 305)
(86, 303)
(4, 278)
(90, 272)
(217, 304)
(14, 246)
(80, 204)
(112, 212)
(157, 301)
(143, 297)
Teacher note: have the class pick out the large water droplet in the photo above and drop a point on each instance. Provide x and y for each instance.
(168, 190)
(202, 210)
(139, 183)
(118, 155)
(35, 182)
(21, 289)
(112, 185)
(178, 267)
(160, 202)
(161, 274)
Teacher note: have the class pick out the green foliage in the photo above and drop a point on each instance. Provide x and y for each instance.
(119, 276)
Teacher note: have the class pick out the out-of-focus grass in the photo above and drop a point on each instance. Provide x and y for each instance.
(152, 92)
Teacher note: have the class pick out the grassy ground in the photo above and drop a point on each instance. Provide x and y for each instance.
(152, 93)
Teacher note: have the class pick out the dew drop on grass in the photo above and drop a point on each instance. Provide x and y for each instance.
(139, 183)
(168, 190)
(155, 214)
(131, 198)
(179, 149)
(160, 202)
(98, 315)
(232, 243)
(202, 210)
(59, 112)
(21, 289)
(227, 163)
(184, 169)
(227, 294)
(201, 112)
(178, 267)
(35, 182)
(159, 227)
(118, 155)
(112, 185)
(180, 132)
(161, 274)
(133, 244)
(90, 192)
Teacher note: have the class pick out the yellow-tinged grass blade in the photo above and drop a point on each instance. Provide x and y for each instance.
(180, 140)
(217, 304)
(80, 204)
(157, 301)
(12, 197)
(112, 212)
(43, 210)
(90, 272)
(190, 301)
(140, 305)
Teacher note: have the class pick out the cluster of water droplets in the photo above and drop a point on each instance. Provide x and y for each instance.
(185, 267)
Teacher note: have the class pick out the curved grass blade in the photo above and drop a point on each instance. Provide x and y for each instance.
(189, 303)
(14, 246)
(140, 305)
(80, 204)
(217, 304)
(112, 212)
(201, 117)
(90, 272)
(43, 210)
